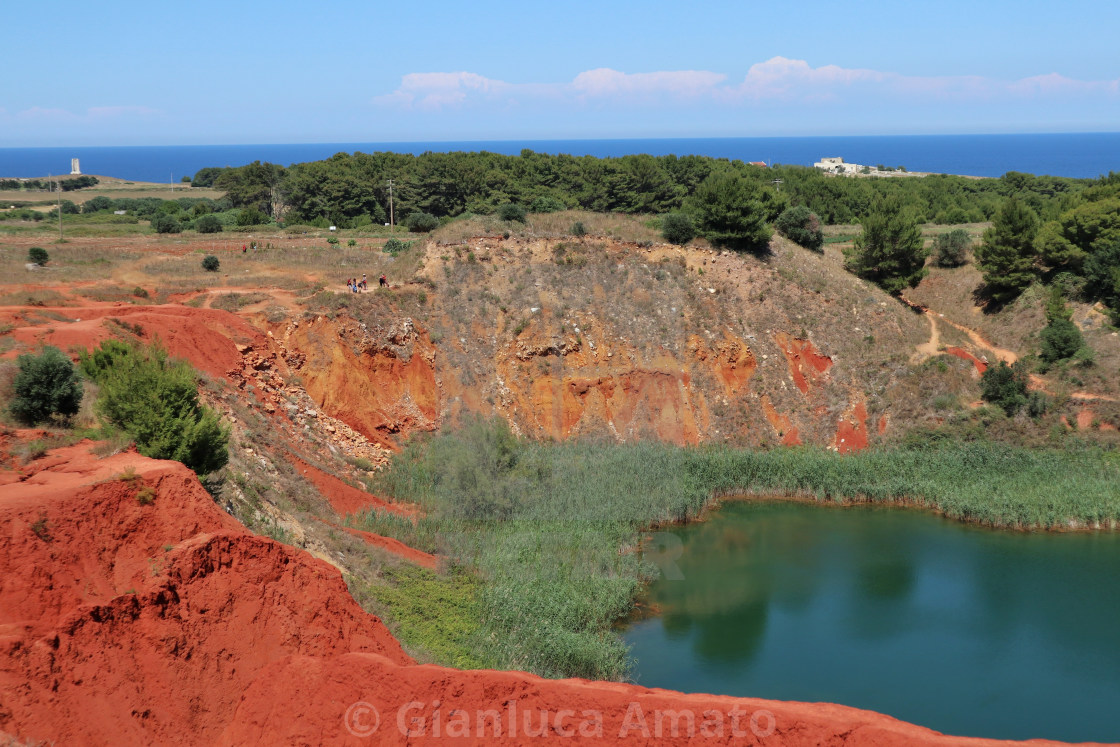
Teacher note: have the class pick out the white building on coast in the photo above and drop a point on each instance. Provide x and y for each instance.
(836, 165)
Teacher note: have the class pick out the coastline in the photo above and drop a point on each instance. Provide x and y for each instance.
(1073, 155)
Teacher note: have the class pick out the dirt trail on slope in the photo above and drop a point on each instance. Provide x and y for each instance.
(929, 349)
(933, 347)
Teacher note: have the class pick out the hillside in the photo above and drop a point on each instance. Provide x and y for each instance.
(608, 337)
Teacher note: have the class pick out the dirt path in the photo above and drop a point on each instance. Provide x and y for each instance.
(1000, 354)
(1035, 383)
(928, 349)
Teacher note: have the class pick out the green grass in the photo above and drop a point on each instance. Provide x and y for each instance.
(552, 529)
(435, 615)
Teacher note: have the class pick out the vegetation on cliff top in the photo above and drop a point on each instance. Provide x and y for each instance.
(154, 399)
(352, 187)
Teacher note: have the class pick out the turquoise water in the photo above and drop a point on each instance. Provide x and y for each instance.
(1061, 154)
(965, 630)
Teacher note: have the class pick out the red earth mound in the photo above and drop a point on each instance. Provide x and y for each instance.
(357, 699)
(208, 338)
(133, 610)
(346, 499)
(963, 354)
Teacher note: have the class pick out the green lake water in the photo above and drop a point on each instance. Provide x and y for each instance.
(965, 630)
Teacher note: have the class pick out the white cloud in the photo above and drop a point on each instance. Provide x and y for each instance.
(604, 82)
(779, 80)
(438, 90)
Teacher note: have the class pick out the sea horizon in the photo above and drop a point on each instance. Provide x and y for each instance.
(1073, 154)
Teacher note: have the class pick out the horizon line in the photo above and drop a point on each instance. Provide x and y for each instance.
(571, 139)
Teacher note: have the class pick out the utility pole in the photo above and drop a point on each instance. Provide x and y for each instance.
(391, 222)
(50, 180)
(777, 183)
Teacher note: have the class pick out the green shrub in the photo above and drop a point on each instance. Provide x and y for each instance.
(951, 249)
(730, 211)
(578, 229)
(1006, 255)
(801, 225)
(1102, 276)
(164, 223)
(677, 228)
(1037, 404)
(396, 246)
(97, 204)
(1060, 338)
(210, 263)
(889, 252)
(512, 212)
(421, 222)
(155, 400)
(546, 204)
(208, 223)
(1005, 386)
(47, 384)
(38, 255)
(251, 217)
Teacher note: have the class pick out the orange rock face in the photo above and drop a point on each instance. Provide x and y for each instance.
(378, 383)
(806, 365)
(781, 424)
(631, 403)
(851, 431)
(730, 360)
(557, 388)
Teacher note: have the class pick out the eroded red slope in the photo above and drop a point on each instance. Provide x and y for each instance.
(134, 611)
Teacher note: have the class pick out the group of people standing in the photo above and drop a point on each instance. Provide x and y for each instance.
(357, 286)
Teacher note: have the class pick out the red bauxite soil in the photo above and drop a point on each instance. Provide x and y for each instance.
(963, 354)
(208, 338)
(134, 611)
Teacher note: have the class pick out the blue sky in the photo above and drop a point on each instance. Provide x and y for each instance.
(82, 73)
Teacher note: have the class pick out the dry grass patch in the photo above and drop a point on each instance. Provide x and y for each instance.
(624, 228)
(236, 301)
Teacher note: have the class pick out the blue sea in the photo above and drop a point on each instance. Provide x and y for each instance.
(1071, 154)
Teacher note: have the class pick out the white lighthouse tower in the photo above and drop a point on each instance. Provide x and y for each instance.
(74, 168)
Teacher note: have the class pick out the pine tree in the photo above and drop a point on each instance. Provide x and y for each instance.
(1006, 256)
(890, 251)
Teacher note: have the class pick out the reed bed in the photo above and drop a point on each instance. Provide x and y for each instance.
(551, 528)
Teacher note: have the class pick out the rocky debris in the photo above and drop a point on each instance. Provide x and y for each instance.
(556, 346)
